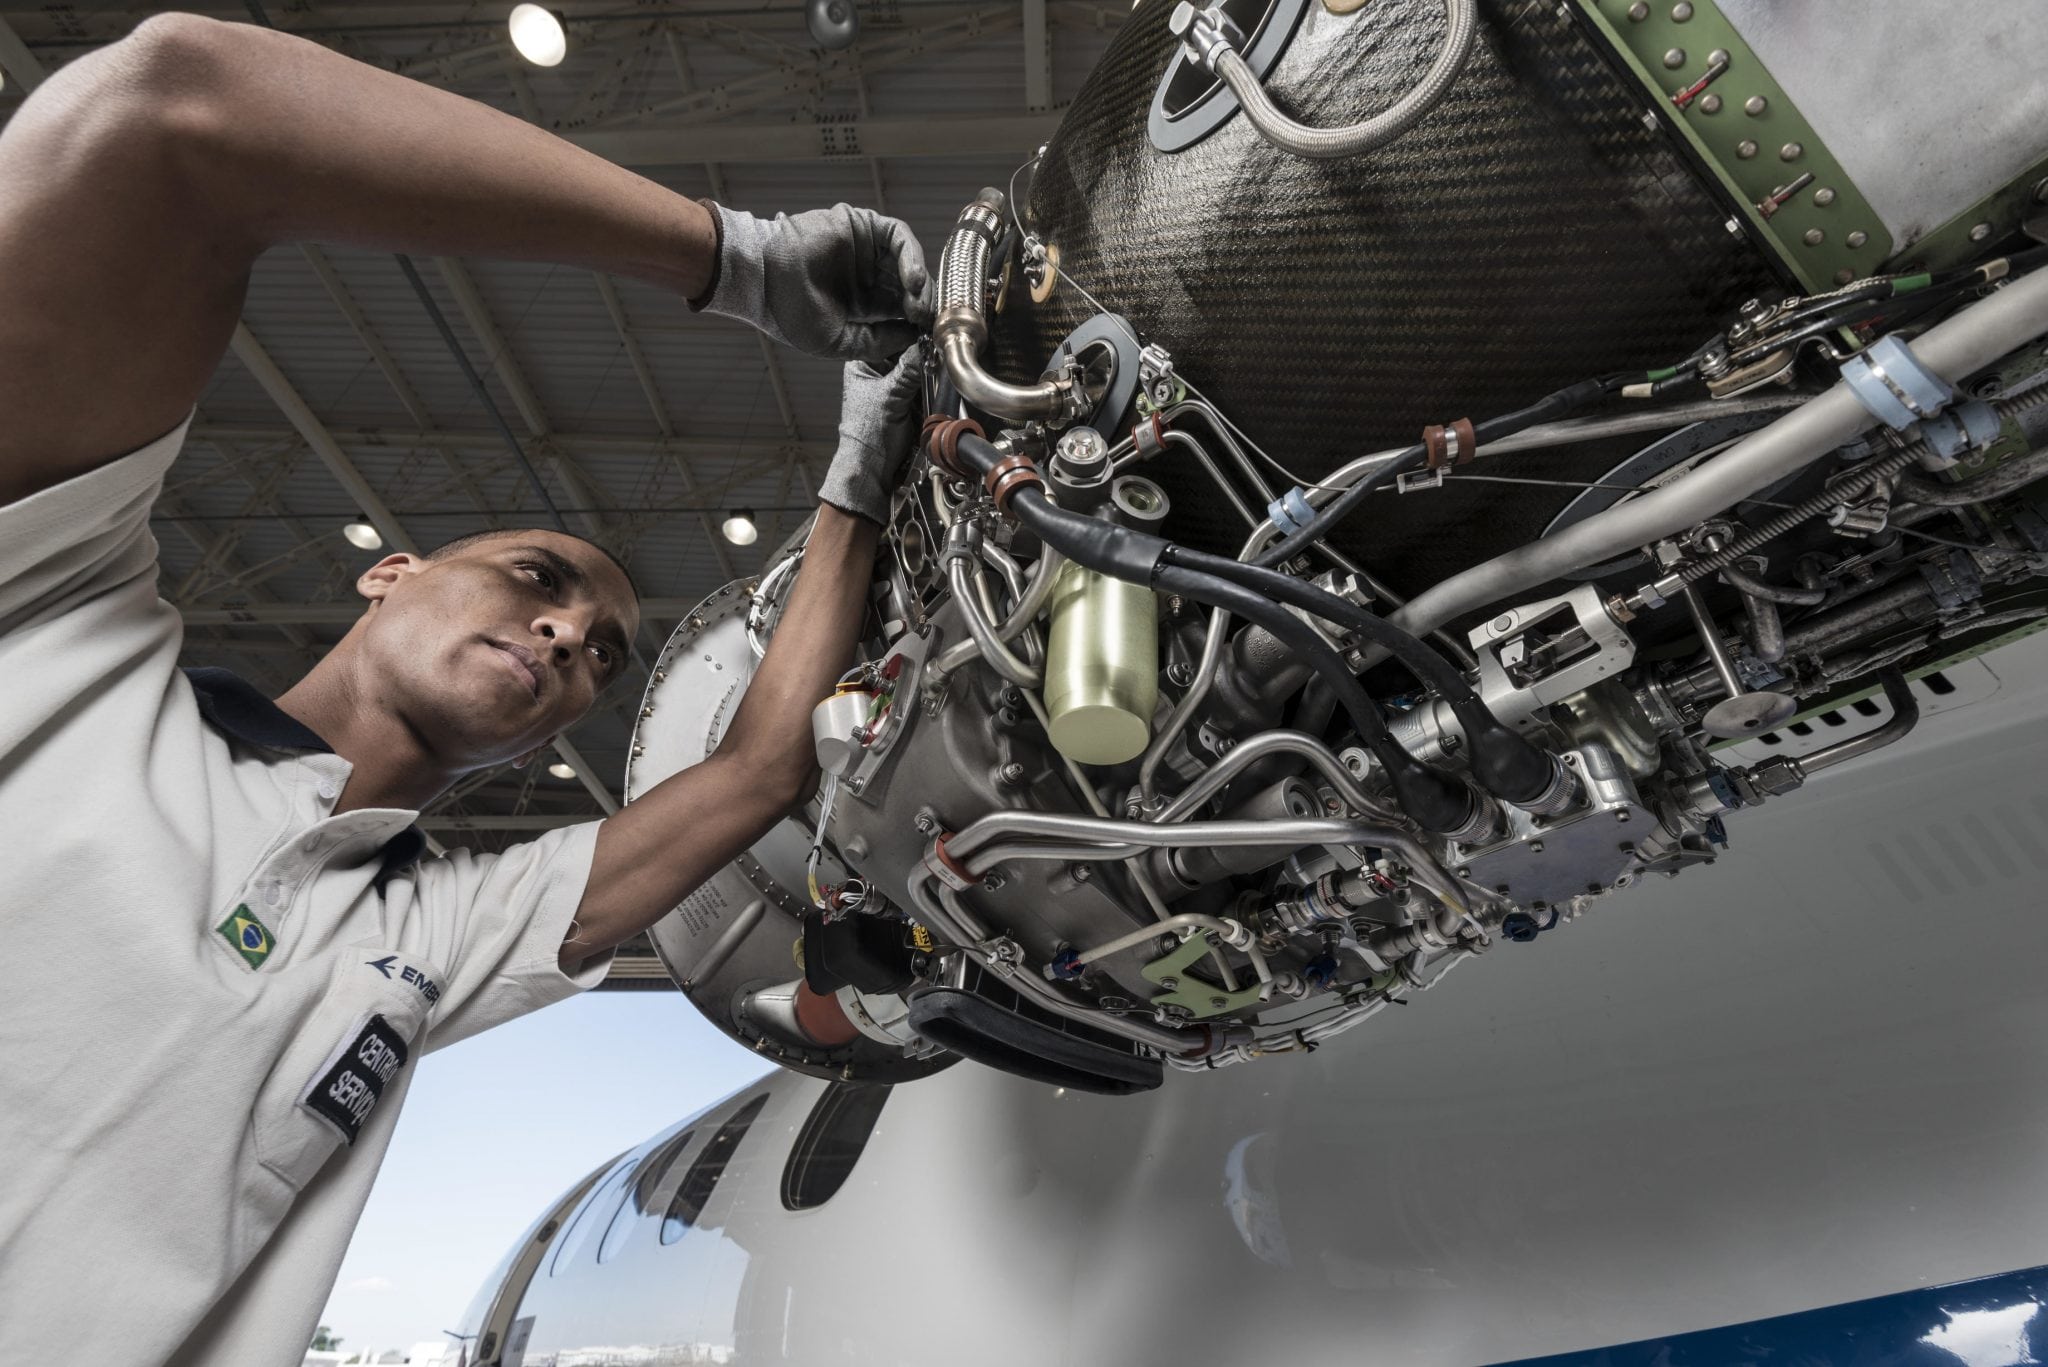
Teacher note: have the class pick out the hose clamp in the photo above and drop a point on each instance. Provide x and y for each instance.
(1967, 426)
(1007, 476)
(1893, 384)
(943, 866)
(1290, 512)
(1449, 444)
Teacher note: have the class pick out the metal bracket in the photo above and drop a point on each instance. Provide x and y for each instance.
(1199, 999)
(1413, 481)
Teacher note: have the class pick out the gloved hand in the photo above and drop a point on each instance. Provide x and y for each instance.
(878, 422)
(841, 282)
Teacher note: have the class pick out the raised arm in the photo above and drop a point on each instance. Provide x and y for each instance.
(653, 852)
(139, 184)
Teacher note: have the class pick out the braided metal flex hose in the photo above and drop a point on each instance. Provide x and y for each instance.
(1461, 29)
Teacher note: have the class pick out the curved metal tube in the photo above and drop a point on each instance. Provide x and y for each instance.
(1905, 716)
(1967, 342)
(1184, 710)
(1257, 748)
(961, 575)
(1749, 586)
(962, 328)
(1029, 604)
(1215, 473)
(953, 920)
(1231, 932)
(1058, 826)
(1461, 27)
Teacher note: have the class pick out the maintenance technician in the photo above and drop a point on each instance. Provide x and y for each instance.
(219, 948)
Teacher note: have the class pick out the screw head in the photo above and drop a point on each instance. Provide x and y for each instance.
(1791, 151)
(1464, 871)
(1218, 1003)
(1639, 11)
(1621, 818)
(1823, 196)
(1980, 232)
(1681, 12)
(1745, 150)
(1536, 847)
(1857, 238)
(1170, 983)
(1081, 872)
(1710, 104)
(1755, 105)
(1813, 237)
(1675, 58)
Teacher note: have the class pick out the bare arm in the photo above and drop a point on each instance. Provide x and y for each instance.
(139, 185)
(652, 853)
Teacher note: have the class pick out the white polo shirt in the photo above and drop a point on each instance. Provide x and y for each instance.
(212, 988)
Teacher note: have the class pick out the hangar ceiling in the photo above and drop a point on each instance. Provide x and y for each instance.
(646, 423)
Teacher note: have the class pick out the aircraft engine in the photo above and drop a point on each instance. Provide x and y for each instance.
(1398, 475)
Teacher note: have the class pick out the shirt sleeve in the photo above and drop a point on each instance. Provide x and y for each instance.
(78, 589)
(495, 923)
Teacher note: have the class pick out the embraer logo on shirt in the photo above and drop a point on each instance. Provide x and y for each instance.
(250, 937)
(426, 986)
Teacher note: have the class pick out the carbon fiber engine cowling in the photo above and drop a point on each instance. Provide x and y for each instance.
(1533, 230)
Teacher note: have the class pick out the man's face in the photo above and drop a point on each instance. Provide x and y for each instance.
(488, 653)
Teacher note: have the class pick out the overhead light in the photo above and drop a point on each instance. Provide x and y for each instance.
(833, 23)
(363, 535)
(538, 35)
(561, 770)
(739, 527)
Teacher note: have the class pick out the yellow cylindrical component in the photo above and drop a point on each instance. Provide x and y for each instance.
(1101, 667)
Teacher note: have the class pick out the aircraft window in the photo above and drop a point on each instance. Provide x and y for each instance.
(640, 1197)
(830, 1143)
(703, 1175)
(581, 1224)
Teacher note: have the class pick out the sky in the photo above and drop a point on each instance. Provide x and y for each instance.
(498, 1126)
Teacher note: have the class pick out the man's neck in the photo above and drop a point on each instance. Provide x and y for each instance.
(390, 764)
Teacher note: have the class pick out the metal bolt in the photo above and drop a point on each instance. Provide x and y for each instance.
(993, 880)
(1012, 773)
(1464, 871)
(1813, 237)
(1745, 150)
(854, 785)
(1504, 621)
(1621, 818)
(1681, 12)
(1980, 232)
(1823, 196)
(1791, 151)
(1857, 238)
(1710, 104)
(1170, 983)
(1081, 873)
(1675, 58)
(1536, 847)
(1734, 227)
(1718, 57)
(1639, 11)
(1844, 276)
(1755, 105)
(1218, 1003)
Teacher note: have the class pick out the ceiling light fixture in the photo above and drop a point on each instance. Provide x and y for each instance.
(538, 35)
(363, 535)
(833, 23)
(561, 770)
(739, 527)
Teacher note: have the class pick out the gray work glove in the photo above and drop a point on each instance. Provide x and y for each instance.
(878, 421)
(841, 282)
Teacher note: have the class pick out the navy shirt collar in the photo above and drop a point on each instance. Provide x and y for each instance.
(239, 710)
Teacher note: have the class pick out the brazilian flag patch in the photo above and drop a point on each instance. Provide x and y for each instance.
(249, 936)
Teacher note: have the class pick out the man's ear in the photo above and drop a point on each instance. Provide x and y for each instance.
(376, 582)
(530, 755)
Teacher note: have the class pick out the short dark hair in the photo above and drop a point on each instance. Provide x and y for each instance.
(468, 539)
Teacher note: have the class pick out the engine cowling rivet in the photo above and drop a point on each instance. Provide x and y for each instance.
(1791, 151)
(1857, 238)
(1745, 150)
(1675, 58)
(1824, 196)
(1639, 11)
(1980, 232)
(1720, 56)
(1844, 276)
(1710, 104)
(1813, 237)
(1755, 105)
(1681, 11)
(1464, 871)
(1621, 818)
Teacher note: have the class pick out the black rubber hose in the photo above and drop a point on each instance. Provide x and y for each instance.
(1436, 801)
(1546, 409)
(1506, 763)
